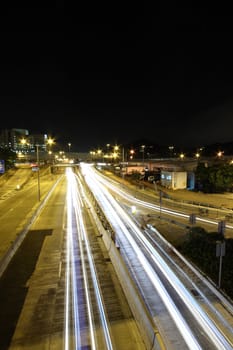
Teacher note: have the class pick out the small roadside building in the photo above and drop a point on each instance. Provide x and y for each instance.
(174, 179)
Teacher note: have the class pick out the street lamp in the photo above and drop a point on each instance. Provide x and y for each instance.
(69, 145)
(50, 143)
(23, 142)
(38, 171)
(220, 154)
(24, 149)
(131, 153)
(143, 152)
(115, 152)
(197, 155)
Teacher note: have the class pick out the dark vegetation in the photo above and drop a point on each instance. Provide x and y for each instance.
(199, 247)
(217, 178)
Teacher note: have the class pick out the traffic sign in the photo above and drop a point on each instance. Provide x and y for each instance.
(2, 166)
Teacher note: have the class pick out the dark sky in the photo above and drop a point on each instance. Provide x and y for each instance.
(96, 73)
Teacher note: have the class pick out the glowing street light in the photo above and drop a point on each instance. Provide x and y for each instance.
(115, 153)
(131, 153)
(50, 142)
(23, 142)
(143, 153)
(220, 154)
(182, 156)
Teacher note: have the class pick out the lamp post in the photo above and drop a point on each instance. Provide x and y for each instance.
(23, 142)
(50, 142)
(115, 152)
(220, 154)
(38, 171)
(131, 154)
(24, 149)
(182, 156)
(143, 154)
(197, 157)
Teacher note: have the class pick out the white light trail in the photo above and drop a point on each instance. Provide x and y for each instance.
(120, 226)
(114, 186)
(72, 190)
(113, 211)
(75, 204)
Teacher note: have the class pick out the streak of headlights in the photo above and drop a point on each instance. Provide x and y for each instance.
(75, 201)
(114, 186)
(111, 211)
(70, 288)
(104, 322)
(207, 325)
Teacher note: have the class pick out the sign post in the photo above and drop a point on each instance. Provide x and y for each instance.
(220, 251)
(222, 227)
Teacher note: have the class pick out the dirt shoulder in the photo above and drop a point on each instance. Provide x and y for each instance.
(224, 200)
(174, 233)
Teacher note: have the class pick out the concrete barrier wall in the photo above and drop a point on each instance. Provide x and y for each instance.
(148, 330)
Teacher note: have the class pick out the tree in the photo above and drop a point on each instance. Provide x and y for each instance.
(200, 248)
(214, 179)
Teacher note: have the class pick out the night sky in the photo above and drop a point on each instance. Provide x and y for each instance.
(95, 73)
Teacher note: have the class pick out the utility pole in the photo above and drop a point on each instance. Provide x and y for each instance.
(38, 171)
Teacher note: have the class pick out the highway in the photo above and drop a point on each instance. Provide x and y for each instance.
(183, 310)
(91, 305)
(58, 286)
(93, 254)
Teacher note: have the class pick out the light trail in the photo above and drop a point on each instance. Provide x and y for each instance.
(71, 287)
(114, 186)
(208, 326)
(79, 219)
(181, 271)
(77, 238)
(120, 226)
(113, 211)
